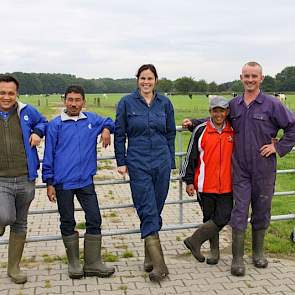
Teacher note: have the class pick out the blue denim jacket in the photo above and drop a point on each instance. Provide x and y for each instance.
(150, 131)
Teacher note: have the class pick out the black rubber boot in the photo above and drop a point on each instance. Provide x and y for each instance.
(147, 265)
(238, 266)
(214, 250)
(258, 258)
(2, 230)
(160, 270)
(93, 265)
(15, 252)
(202, 234)
(72, 249)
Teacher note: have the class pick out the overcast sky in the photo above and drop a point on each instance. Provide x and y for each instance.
(208, 40)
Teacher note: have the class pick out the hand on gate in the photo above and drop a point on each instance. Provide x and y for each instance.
(190, 190)
(186, 123)
(34, 140)
(105, 137)
(123, 170)
(51, 194)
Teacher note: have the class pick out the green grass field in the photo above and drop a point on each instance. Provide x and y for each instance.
(278, 241)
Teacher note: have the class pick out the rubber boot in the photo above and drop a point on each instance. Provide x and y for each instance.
(202, 234)
(147, 265)
(15, 252)
(257, 249)
(160, 270)
(93, 265)
(237, 265)
(72, 249)
(2, 230)
(214, 250)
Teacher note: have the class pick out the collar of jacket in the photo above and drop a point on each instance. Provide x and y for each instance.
(137, 94)
(19, 107)
(225, 128)
(259, 99)
(65, 117)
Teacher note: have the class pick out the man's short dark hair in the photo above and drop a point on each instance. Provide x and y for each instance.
(9, 78)
(76, 89)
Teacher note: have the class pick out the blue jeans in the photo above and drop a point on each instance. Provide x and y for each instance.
(88, 201)
(16, 195)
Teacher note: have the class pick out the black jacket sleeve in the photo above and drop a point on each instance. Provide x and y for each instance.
(196, 122)
(191, 160)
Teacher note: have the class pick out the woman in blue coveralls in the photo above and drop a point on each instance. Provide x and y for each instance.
(146, 119)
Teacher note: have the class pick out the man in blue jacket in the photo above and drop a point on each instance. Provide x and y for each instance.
(21, 130)
(68, 169)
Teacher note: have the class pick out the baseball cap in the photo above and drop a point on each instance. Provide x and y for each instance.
(218, 102)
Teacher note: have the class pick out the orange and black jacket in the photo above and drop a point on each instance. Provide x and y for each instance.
(208, 160)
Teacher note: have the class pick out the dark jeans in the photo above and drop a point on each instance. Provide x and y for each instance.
(16, 195)
(88, 201)
(216, 207)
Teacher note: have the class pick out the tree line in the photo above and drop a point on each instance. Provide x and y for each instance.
(45, 83)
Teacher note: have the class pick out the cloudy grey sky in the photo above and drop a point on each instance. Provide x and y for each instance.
(91, 38)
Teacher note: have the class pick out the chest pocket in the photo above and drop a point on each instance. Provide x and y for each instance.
(136, 120)
(158, 121)
(260, 117)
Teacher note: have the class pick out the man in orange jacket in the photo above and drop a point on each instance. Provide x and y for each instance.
(207, 170)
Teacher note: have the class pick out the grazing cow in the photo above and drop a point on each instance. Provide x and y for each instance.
(234, 94)
(281, 97)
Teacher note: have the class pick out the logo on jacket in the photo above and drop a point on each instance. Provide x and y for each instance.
(89, 126)
(230, 138)
(26, 117)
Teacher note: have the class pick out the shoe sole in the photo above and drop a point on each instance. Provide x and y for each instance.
(212, 262)
(76, 276)
(16, 281)
(238, 274)
(257, 265)
(97, 274)
(190, 247)
(157, 278)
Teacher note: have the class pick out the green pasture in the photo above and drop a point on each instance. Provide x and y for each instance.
(278, 241)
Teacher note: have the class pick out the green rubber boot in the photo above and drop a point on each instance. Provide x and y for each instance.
(214, 250)
(202, 234)
(258, 258)
(72, 249)
(147, 265)
(160, 270)
(238, 266)
(93, 265)
(15, 252)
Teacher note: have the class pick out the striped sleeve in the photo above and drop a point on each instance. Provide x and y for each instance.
(191, 158)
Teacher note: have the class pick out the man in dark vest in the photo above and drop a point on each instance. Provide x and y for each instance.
(21, 130)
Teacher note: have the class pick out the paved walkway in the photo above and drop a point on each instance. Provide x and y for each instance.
(47, 272)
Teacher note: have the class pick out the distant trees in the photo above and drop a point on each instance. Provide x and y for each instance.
(268, 84)
(285, 80)
(37, 83)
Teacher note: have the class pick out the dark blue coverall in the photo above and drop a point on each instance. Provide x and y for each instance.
(253, 175)
(150, 131)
